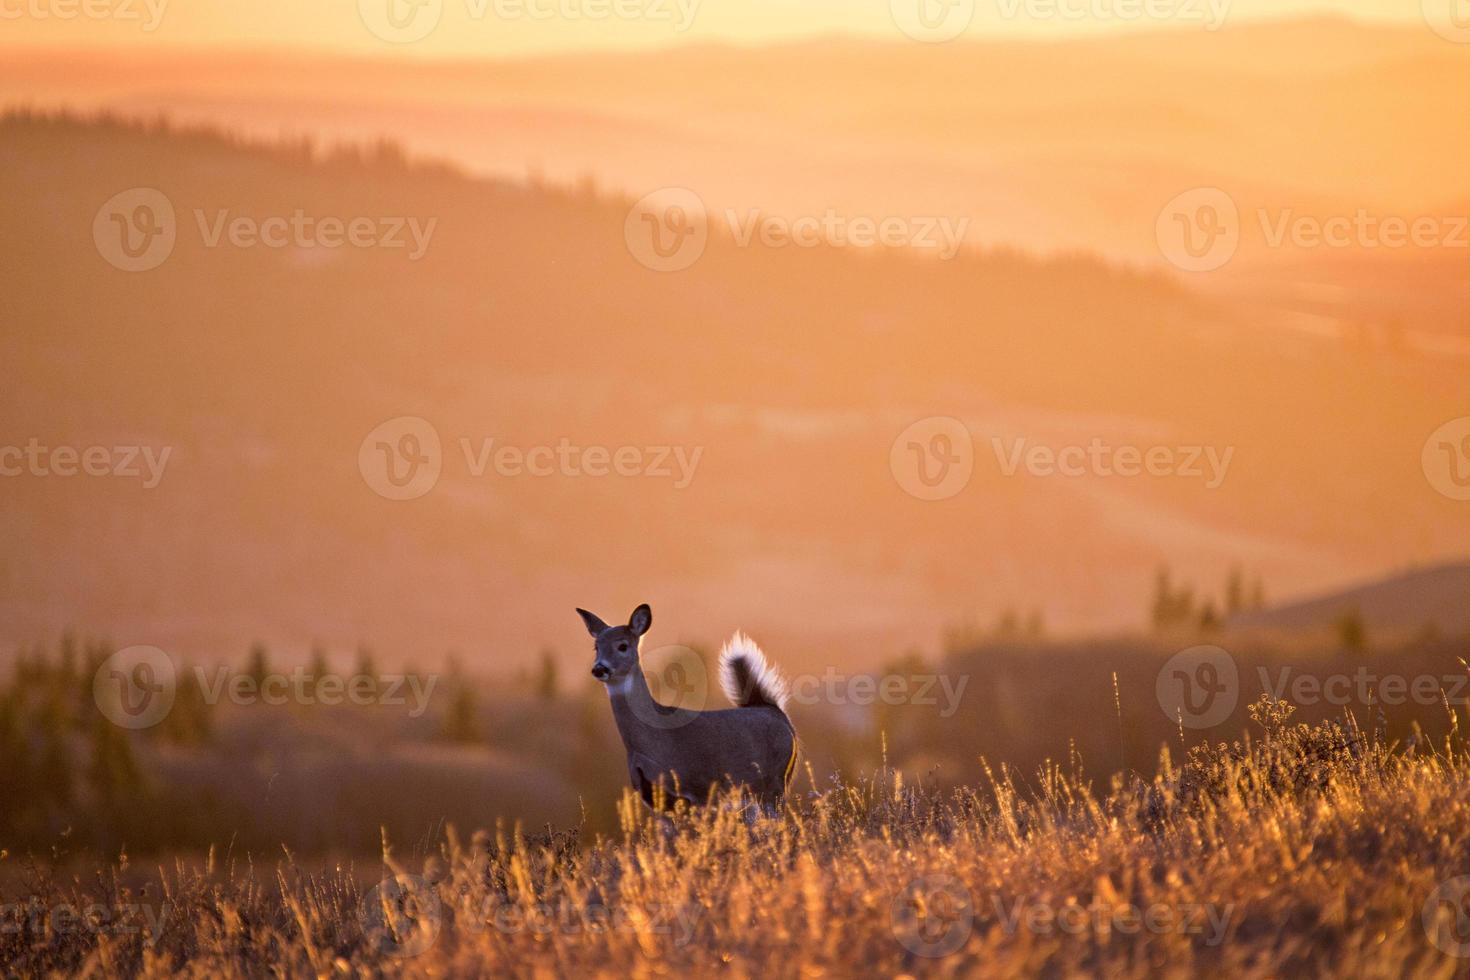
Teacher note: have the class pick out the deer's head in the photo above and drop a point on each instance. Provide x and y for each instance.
(616, 646)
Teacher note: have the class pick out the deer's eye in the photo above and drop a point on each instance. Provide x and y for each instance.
(622, 648)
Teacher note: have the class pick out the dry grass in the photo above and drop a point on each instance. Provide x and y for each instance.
(1303, 851)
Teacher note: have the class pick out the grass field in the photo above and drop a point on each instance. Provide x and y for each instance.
(1301, 850)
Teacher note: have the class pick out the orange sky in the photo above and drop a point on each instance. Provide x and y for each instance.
(468, 28)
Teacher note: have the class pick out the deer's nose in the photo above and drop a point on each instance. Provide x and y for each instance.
(600, 671)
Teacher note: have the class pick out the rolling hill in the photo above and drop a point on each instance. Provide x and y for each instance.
(1435, 598)
(791, 370)
(1048, 145)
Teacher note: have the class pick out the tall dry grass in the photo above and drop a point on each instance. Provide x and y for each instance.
(1304, 850)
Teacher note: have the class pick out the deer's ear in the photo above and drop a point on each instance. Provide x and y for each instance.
(595, 626)
(641, 620)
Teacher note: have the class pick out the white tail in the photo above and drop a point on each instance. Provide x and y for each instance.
(749, 679)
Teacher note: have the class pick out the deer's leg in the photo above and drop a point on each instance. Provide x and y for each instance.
(645, 775)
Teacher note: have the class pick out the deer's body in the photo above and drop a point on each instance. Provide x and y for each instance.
(752, 745)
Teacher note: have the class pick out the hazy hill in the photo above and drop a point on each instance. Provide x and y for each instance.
(793, 371)
(1436, 598)
(1046, 144)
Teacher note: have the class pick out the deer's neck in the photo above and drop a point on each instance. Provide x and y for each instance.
(633, 709)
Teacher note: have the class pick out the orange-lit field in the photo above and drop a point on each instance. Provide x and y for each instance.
(1070, 399)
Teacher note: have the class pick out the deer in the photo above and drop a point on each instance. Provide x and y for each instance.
(695, 753)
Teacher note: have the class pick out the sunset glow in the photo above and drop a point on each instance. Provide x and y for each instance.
(497, 28)
(734, 488)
